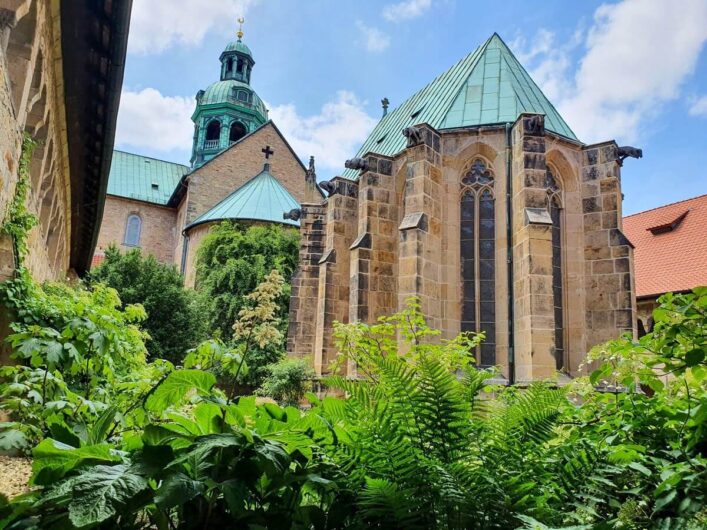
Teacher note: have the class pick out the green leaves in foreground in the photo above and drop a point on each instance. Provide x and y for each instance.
(177, 386)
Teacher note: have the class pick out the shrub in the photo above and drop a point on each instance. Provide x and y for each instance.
(174, 321)
(287, 381)
(232, 260)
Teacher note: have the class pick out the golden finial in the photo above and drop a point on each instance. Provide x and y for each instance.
(240, 28)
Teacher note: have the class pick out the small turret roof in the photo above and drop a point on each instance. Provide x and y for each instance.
(238, 46)
(488, 86)
(262, 198)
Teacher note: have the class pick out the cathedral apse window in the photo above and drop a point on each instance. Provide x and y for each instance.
(478, 258)
(555, 207)
(133, 227)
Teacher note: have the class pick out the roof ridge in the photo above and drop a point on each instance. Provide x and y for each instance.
(150, 157)
(665, 205)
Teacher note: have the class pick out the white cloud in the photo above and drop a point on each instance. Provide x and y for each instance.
(149, 119)
(637, 55)
(157, 25)
(332, 135)
(375, 40)
(699, 107)
(406, 10)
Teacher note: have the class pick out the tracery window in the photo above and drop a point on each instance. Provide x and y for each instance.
(133, 227)
(478, 261)
(555, 206)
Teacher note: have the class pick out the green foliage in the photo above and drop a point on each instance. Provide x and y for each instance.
(233, 259)
(174, 321)
(19, 220)
(74, 348)
(287, 381)
(419, 439)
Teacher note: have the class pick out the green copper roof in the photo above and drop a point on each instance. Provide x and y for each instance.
(223, 92)
(238, 46)
(142, 178)
(486, 87)
(262, 198)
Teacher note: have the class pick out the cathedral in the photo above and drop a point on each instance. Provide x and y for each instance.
(475, 196)
(242, 168)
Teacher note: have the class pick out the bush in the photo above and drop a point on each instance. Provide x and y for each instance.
(174, 321)
(287, 381)
(232, 260)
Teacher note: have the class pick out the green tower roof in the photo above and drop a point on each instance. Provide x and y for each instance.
(238, 46)
(262, 198)
(488, 86)
(143, 178)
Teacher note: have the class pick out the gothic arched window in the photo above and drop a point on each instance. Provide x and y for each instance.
(478, 258)
(133, 227)
(555, 206)
(237, 131)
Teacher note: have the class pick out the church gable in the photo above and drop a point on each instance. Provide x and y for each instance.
(233, 167)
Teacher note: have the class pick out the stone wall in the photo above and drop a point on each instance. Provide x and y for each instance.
(32, 103)
(158, 228)
(305, 282)
(219, 177)
(610, 304)
(418, 193)
(193, 242)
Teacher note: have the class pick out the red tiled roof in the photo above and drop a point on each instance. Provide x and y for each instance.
(671, 246)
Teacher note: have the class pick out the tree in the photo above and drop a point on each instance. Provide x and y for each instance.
(233, 259)
(173, 319)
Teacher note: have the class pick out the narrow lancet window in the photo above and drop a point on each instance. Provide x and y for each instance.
(478, 263)
(555, 207)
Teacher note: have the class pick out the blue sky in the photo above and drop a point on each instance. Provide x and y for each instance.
(631, 70)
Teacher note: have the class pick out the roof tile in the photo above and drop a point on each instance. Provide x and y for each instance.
(143, 178)
(676, 259)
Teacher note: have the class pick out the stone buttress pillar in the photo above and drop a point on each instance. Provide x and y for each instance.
(333, 302)
(534, 321)
(608, 254)
(305, 281)
(420, 241)
(373, 253)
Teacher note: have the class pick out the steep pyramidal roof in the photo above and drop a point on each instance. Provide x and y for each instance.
(262, 198)
(488, 86)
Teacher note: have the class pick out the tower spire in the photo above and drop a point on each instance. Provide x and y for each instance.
(241, 20)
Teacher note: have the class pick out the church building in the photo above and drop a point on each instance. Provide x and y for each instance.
(242, 168)
(477, 198)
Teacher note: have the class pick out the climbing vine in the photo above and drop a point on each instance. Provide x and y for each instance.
(19, 220)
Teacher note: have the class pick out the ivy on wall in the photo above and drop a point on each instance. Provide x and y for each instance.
(19, 219)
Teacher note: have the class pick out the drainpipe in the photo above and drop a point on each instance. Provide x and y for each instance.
(509, 259)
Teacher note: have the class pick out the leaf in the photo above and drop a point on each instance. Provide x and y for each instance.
(694, 357)
(13, 439)
(98, 431)
(177, 385)
(178, 489)
(53, 459)
(640, 467)
(664, 501)
(101, 492)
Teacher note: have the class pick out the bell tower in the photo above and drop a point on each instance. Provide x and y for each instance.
(228, 109)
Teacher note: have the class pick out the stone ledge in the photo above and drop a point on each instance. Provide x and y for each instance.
(414, 220)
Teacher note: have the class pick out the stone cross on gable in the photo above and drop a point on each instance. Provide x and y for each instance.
(267, 152)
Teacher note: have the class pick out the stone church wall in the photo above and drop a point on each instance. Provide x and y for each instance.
(158, 227)
(216, 179)
(32, 103)
(576, 266)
